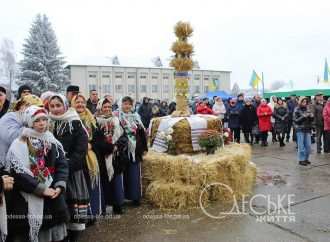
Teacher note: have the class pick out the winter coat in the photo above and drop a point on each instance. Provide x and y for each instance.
(55, 210)
(5, 108)
(233, 113)
(317, 109)
(75, 144)
(11, 126)
(145, 112)
(91, 106)
(204, 109)
(219, 109)
(291, 107)
(281, 116)
(303, 119)
(264, 113)
(326, 117)
(248, 118)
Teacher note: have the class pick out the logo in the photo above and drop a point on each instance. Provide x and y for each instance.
(273, 209)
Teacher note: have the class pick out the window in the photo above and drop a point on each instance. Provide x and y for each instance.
(119, 88)
(206, 78)
(131, 75)
(92, 87)
(206, 89)
(154, 88)
(106, 74)
(165, 77)
(92, 74)
(143, 77)
(143, 88)
(131, 88)
(106, 88)
(166, 88)
(197, 77)
(119, 75)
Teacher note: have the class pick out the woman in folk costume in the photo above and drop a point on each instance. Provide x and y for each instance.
(12, 123)
(110, 145)
(37, 163)
(137, 146)
(69, 130)
(79, 103)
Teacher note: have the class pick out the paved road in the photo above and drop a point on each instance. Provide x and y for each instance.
(302, 213)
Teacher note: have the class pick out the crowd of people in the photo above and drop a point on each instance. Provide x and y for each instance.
(305, 119)
(66, 160)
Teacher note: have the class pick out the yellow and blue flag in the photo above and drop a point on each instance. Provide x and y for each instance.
(255, 79)
(213, 85)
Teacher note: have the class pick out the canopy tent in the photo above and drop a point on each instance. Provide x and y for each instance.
(221, 94)
(323, 88)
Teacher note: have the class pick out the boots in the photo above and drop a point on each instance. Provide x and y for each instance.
(73, 236)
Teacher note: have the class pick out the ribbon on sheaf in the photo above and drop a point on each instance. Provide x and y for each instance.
(182, 74)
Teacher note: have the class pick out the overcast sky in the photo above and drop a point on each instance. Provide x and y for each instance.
(285, 39)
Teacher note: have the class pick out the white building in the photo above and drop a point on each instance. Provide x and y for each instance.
(138, 82)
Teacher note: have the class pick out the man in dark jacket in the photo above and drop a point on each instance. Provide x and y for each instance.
(317, 109)
(292, 104)
(4, 103)
(233, 113)
(145, 112)
(92, 101)
(248, 119)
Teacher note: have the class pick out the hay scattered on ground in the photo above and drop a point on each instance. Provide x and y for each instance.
(176, 182)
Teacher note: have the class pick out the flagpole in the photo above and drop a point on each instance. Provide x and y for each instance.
(263, 84)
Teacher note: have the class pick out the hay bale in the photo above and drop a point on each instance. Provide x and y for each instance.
(182, 132)
(175, 182)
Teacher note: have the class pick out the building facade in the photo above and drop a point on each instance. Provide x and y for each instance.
(139, 82)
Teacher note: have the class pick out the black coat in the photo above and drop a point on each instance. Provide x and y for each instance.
(248, 118)
(55, 210)
(75, 144)
(145, 112)
(303, 119)
(281, 115)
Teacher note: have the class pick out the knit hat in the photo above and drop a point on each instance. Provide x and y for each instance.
(72, 88)
(23, 88)
(32, 113)
(2, 89)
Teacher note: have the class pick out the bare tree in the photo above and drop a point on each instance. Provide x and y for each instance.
(7, 58)
(277, 85)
